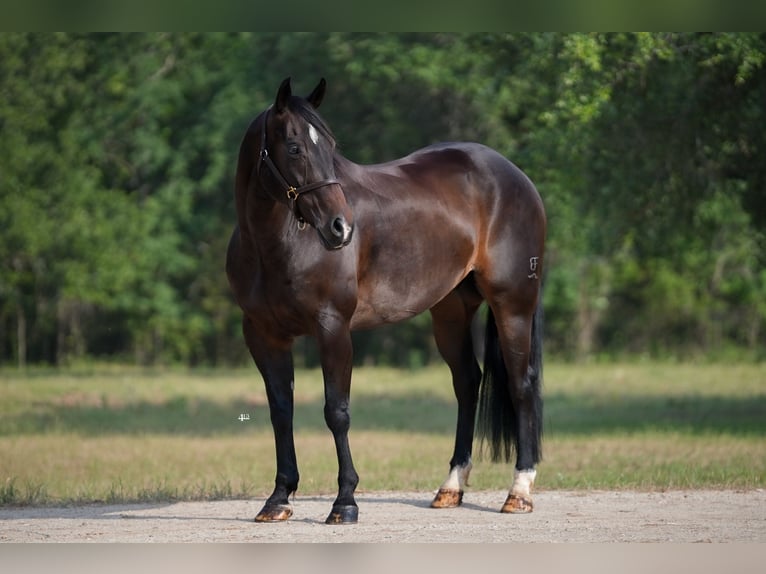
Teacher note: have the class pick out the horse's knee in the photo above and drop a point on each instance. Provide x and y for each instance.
(337, 416)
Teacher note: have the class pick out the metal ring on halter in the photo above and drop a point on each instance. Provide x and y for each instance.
(292, 193)
(302, 224)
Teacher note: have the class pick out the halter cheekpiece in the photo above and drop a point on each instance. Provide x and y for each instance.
(291, 191)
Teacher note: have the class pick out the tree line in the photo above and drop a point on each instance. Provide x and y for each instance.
(118, 151)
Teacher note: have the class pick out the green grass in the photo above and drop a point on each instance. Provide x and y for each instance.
(118, 434)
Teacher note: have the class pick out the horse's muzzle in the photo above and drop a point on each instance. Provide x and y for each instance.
(337, 233)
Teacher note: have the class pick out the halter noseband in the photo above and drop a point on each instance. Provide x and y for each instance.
(291, 191)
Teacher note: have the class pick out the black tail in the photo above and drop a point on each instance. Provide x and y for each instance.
(497, 420)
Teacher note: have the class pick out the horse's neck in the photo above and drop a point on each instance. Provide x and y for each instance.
(345, 168)
(270, 231)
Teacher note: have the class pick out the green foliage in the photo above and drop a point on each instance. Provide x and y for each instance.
(118, 152)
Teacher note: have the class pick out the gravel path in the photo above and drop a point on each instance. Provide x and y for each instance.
(559, 516)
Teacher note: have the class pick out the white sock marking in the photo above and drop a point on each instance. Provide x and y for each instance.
(458, 477)
(522, 482)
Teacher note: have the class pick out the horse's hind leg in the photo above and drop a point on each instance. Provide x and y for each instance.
(519, 342)
(452, 330)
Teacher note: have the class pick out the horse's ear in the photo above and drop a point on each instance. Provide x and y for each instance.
(315, 98)
(284, 93)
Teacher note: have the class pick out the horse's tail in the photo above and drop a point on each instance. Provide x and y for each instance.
(497, 422)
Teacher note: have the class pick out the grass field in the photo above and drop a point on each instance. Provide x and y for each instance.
(119, 434)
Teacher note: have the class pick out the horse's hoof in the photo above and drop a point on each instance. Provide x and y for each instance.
(447, 498)
(517, 505)
(347, 514)
(274, 513)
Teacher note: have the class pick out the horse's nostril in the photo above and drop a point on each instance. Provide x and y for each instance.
(337, 233)
(339, 227)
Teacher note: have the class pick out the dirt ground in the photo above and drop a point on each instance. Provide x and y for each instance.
(559, 516)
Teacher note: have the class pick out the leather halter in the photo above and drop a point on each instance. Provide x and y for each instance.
(291, 191)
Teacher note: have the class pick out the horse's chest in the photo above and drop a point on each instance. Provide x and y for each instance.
(276, 304)
(293, 303)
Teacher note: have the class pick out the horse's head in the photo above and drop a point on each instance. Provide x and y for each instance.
(296, 165)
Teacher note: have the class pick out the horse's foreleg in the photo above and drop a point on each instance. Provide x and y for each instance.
(276, 367)
(336, 356)
(452, 332)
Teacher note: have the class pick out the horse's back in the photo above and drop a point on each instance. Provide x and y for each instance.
(484, 169)
(505, 174)
(488, 187)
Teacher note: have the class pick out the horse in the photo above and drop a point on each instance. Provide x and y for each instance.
(443, 229)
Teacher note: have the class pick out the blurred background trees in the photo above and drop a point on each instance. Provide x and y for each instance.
(117, 156)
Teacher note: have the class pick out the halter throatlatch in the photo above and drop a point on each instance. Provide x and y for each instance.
(291, 191)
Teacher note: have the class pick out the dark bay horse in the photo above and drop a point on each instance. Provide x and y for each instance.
(443, 229)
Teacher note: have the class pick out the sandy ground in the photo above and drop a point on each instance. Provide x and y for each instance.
(559, 516)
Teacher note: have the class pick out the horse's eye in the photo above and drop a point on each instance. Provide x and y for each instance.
(293, 149)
